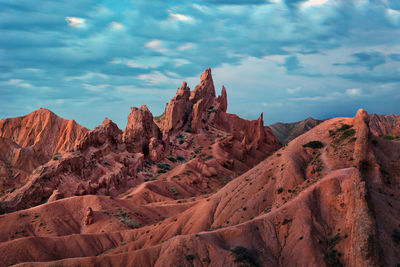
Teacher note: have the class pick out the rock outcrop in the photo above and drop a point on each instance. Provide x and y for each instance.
(178, 111)
(108, 132)
(385, 125)
(139, 130)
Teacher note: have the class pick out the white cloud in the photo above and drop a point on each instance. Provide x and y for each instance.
(185, 46)
(156, 77)
(142, 62)
(20, 83)
(353, 92)
(293, 90)
(272, 104)
(329, 97)
(75, 22)
(155, 45)
(145, 91)
(116, 26)
(180, 62)
(95, 88)
(311, 3)
(201, 8)
(181, 17)
(87, 75)
(393, 15)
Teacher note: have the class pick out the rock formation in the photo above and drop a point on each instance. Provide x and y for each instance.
(385, 125)
(140, 128)
(207, 188)
(178, 111)
(43, 132)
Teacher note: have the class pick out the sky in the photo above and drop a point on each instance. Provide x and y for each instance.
(290, 59)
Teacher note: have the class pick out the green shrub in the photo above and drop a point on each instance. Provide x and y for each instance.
(344, 127)
(122, 216)
(174, 190)
(189, 257)
(189, 129)
(331, 256)
(243, 256)
(130, 223)
(286, 221)
(389, 137)
(314, 144)
(208, 158)
(348, 133)
(180, 158)
(280, 190)
(55, 158)
(164, 166)
(172, 159)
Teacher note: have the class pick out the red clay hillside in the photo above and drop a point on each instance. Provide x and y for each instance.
(198, 186)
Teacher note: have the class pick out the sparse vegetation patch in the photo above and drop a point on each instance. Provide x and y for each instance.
(243, 256)
(314, 144)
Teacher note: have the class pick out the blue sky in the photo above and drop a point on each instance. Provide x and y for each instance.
(291, 59)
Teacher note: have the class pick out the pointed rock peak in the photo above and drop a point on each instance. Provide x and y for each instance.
(183, 86)
(260, 119)
(144, 108)
(223, 91)
(361, 115)
(184, 90)
(205, 89)
(222, 99)
(206, 75)
(106, 121)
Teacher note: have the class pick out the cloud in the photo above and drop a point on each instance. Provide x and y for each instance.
(95, 88)
(116, 26)
(353, 92)
(86, 76)
(263, 51)
(75, 22)
(156, 78)
(19, 83)
(366, 59)
(185, 46)
(181, 17)
(156, 45)
(311, 3)
(395, 57)
(386, 76)
(294, 90)
(237, 2)
(272, 104)
(291, 63)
